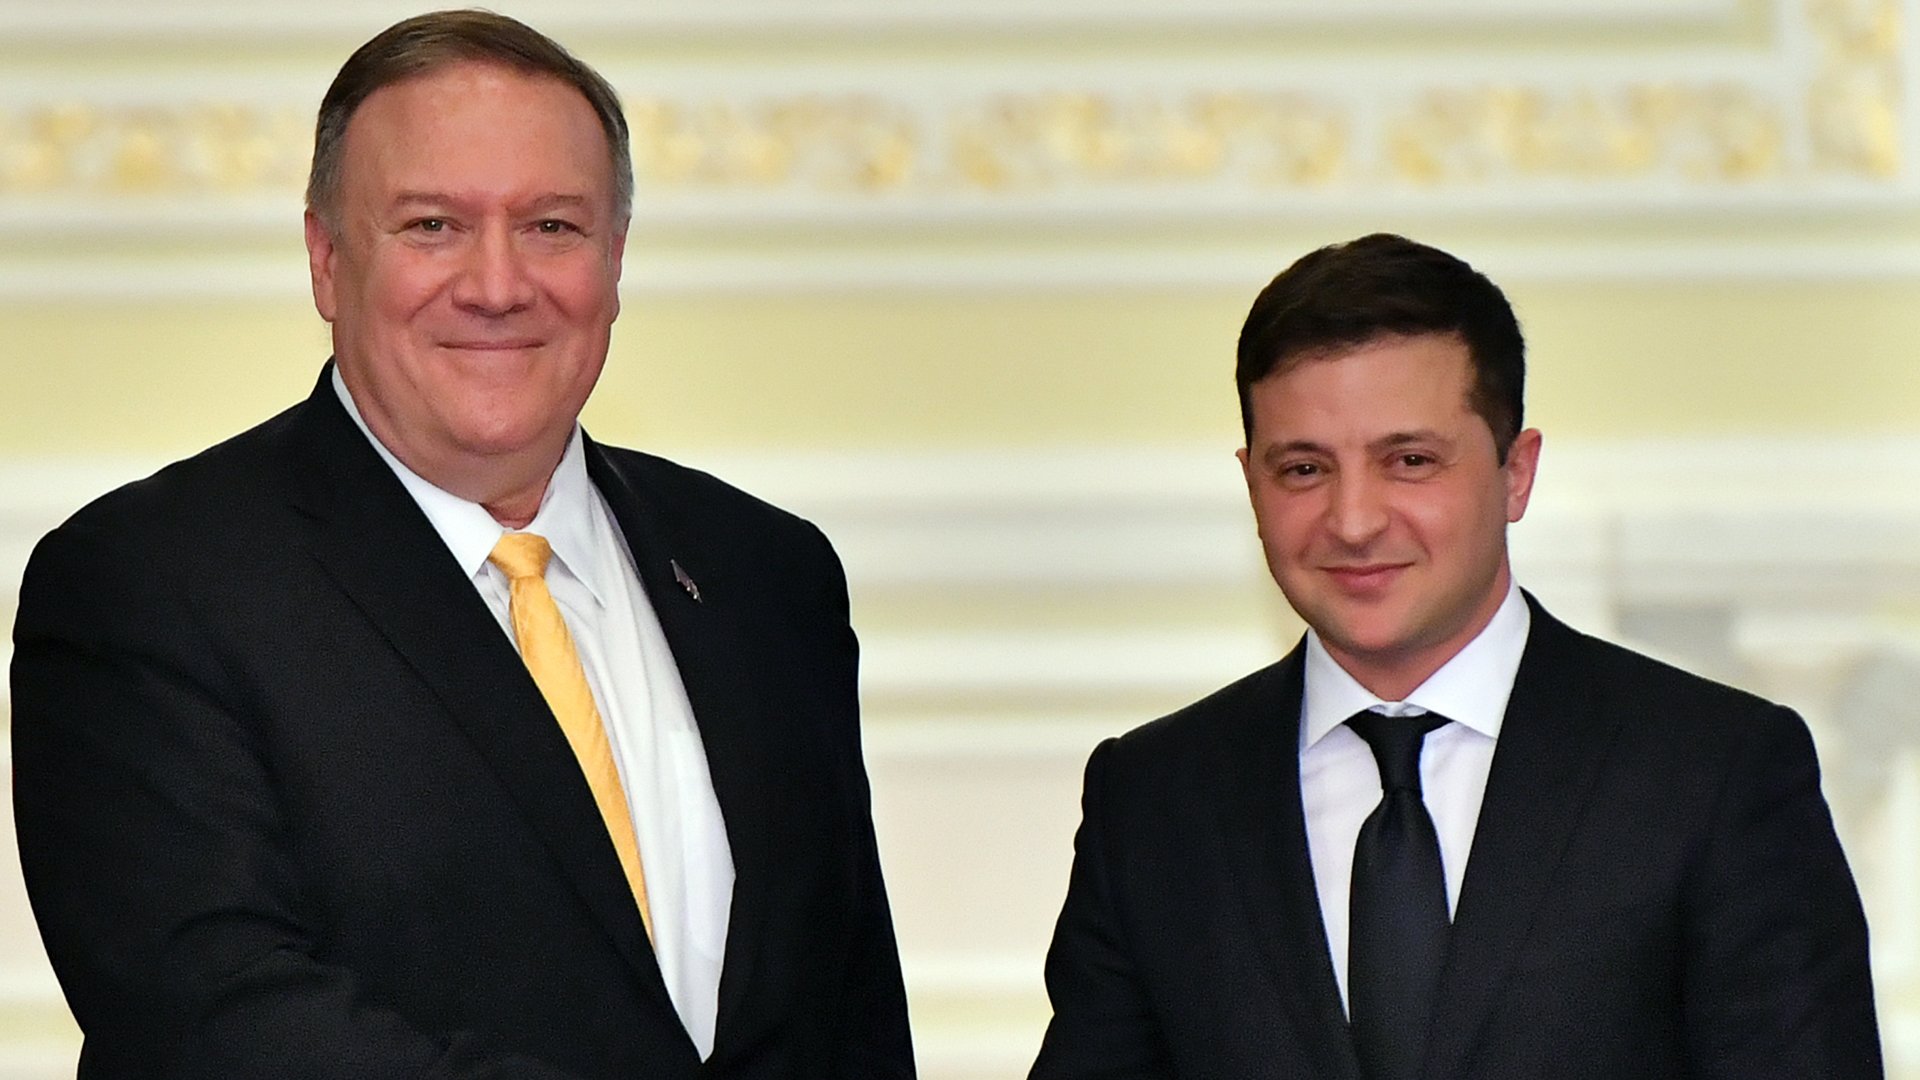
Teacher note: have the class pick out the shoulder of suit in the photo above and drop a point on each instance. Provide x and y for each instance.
(682, 485)
(1649, 690)
(1256, 698)
(227, 479)
(193, 521)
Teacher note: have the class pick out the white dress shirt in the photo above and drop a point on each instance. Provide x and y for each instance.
(642, 702)
(1340, 781)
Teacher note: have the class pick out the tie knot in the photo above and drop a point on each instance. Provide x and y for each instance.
(1395, 741)
(521, 555)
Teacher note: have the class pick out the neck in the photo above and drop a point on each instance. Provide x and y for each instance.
(506, 487)
(510, 487)
(515, 512)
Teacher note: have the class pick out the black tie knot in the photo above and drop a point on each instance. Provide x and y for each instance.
(1395, 741)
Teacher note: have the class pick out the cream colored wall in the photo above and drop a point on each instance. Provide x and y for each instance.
(878, 371)
(961, 280)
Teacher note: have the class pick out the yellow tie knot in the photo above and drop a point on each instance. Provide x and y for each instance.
(521, 555)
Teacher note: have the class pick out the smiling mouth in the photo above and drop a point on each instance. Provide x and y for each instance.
(1364, 578)
(506, 345)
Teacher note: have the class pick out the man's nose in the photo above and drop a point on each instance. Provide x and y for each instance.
(494, 280)
(1358, 510)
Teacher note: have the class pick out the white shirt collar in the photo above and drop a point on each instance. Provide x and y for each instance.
(565, 517)
(1471, 689)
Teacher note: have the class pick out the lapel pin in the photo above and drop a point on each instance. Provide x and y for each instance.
(686, 582)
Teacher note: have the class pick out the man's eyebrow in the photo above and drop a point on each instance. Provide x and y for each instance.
(548, 202)
(1408, 438)
(552, 200)
(427, 198)
(1422, 436)
(1275, 450)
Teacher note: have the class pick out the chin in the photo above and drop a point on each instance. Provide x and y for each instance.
(1376, 648)
(1369, 634)
(493, 440)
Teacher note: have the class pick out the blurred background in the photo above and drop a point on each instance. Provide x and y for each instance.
(960, 279)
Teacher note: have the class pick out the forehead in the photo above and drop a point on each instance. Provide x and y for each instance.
(1388, 383)
(476, 120)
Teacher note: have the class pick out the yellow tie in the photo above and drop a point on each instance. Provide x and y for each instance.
(548, 651)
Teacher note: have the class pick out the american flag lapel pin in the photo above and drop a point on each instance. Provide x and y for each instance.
(680, 575)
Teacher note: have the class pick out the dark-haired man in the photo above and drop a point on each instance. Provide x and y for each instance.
(413, 733)
(1447, 836)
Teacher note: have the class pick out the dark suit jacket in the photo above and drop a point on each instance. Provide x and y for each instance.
(289, 805)
(1654, 890)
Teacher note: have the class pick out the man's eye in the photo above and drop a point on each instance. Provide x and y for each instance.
(555, 227)
(430, 225)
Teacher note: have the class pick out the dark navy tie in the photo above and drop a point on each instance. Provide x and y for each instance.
(1398, 906)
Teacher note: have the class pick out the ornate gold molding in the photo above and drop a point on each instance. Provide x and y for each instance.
(1001, 144)
(1827, 102)
(195, 148)
(1700, 133)
(1854, 100)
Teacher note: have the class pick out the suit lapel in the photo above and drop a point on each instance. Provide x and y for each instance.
(371, 538)
(1264, 828)
(697, 614)
(1551, 744)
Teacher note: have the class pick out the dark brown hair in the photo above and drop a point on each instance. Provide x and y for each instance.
(426, 43)
(1343, 296)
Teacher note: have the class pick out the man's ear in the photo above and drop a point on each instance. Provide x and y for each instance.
(1523, 457)
(618, 253)
(1247, 473)
(320, 255)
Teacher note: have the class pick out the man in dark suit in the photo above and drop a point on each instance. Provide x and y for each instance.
(414, 734)
(1447, 836)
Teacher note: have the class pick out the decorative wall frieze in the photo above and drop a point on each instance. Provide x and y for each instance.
(199, 146)
(797, 164)
(881, 141)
